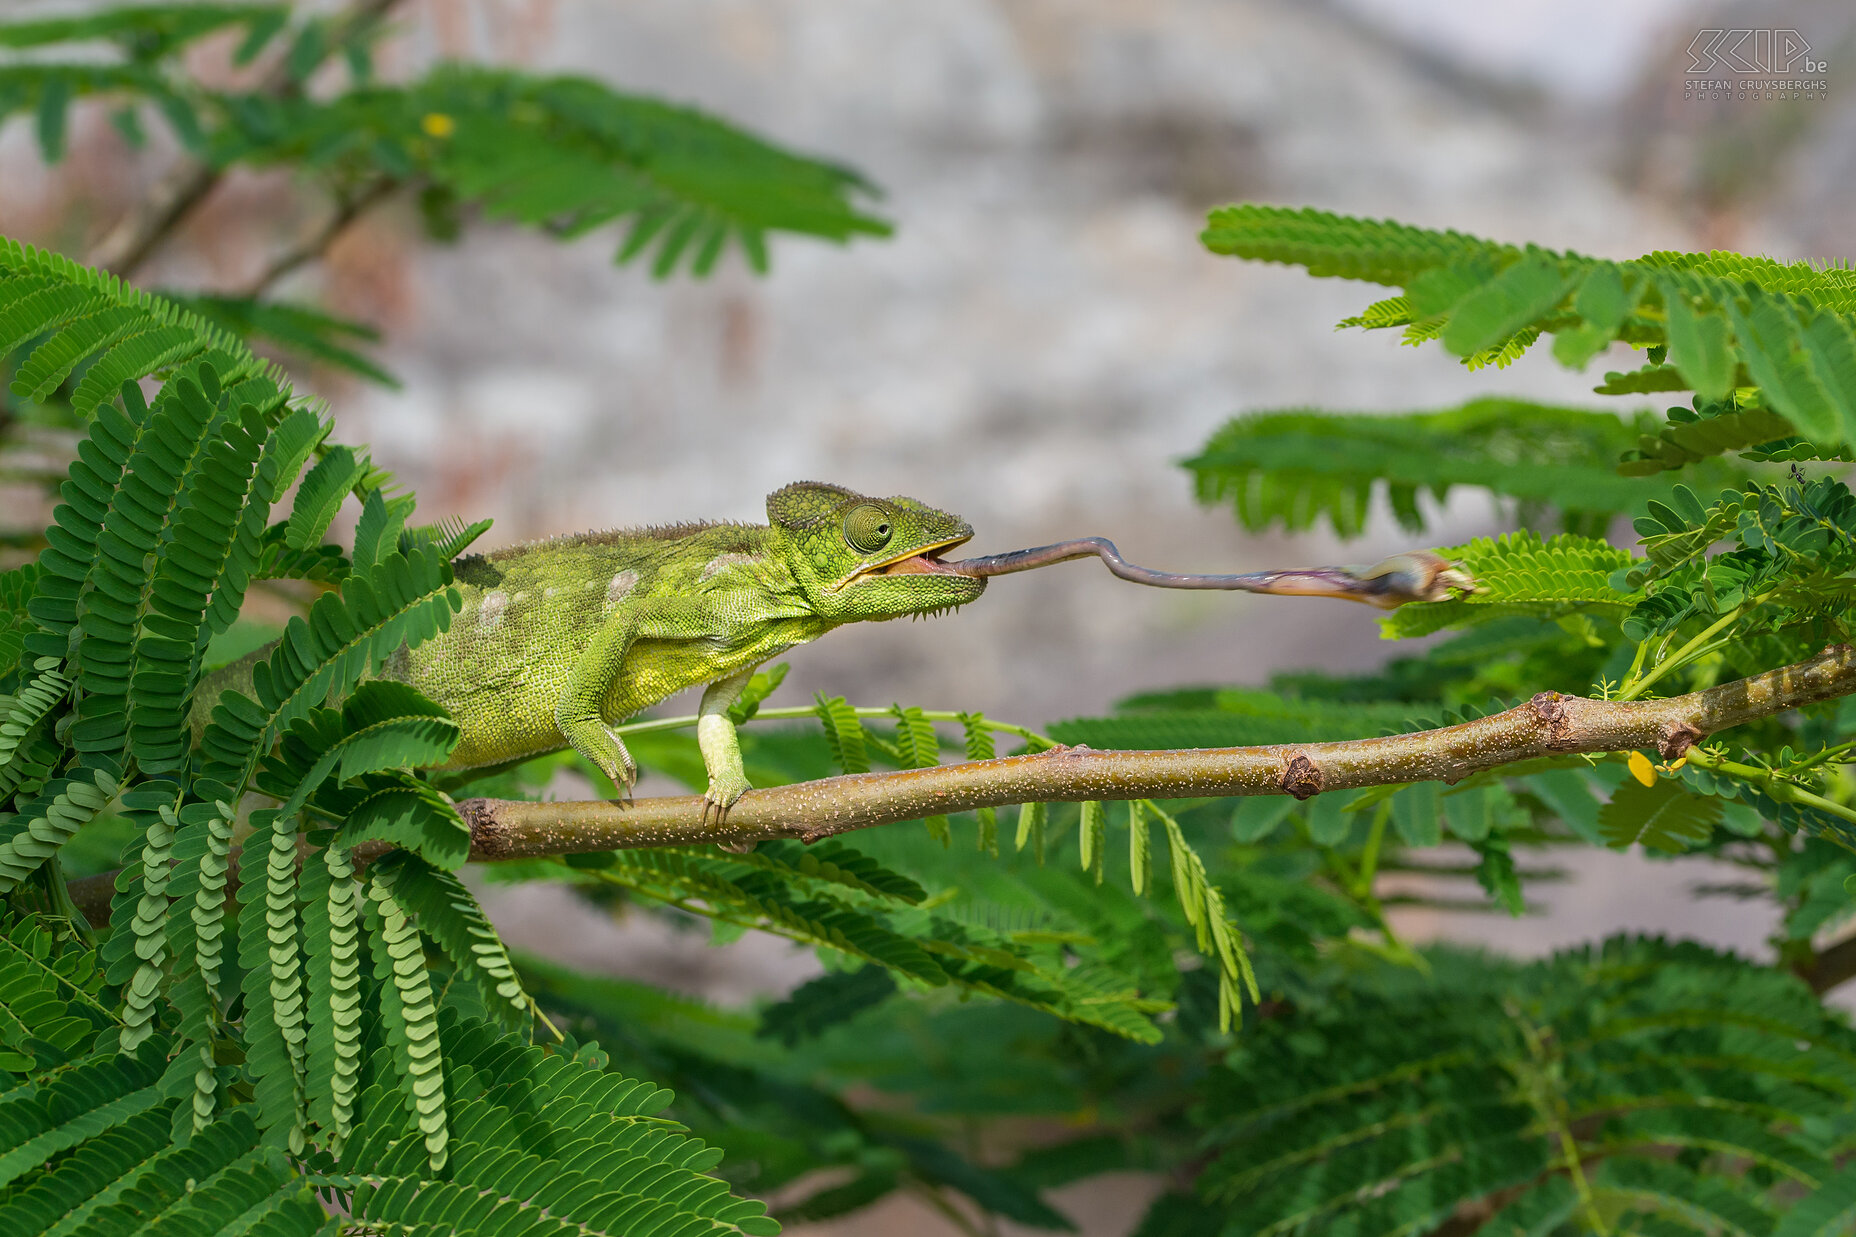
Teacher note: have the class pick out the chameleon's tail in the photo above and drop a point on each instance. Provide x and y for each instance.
(1418, 575)
(234, 676)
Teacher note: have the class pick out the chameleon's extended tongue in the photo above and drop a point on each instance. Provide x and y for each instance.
(1418, 575)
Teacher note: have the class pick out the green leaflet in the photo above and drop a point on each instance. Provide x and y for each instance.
(410, 1013)
(762, 684)
(377, 532)
(1139, 847)
(1092, 838)
(1031, 821)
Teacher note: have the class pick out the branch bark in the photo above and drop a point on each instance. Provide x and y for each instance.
(1549, 724)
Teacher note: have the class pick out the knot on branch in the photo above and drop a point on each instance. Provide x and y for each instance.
(1300, 778)
(1677, 738)
(1550, 708)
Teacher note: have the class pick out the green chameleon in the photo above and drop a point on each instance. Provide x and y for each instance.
(560, 640)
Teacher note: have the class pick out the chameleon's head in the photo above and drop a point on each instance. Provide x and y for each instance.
(861, 558)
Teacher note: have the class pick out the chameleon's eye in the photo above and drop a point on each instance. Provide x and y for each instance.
(868, 529)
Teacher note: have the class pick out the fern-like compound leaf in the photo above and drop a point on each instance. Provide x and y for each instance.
(445, 911)
(405, 812)
(405, 599)
(1662, 816)
(44, 823)
(1293, 468)
(1829, 1210)
(84, 317)
(410, 1014)
(332, 920)
(845, 732)
(318, 499)
(1522, 573)
(820, 1004)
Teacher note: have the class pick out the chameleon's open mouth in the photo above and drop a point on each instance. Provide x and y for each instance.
(921, 563)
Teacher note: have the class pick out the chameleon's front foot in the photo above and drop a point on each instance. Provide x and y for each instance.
(725, 787)
(721, 750)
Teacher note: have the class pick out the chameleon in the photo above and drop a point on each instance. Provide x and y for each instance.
(559, 640)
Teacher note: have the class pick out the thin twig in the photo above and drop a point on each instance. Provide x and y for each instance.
(148, 224)
(347, 210)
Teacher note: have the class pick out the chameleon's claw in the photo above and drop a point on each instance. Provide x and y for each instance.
(742, 847)
(723, 793)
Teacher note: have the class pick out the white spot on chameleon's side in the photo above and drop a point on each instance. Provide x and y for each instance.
(518, 598)
(547, 593)
(722, 562)
(621, 587)
(490, 615)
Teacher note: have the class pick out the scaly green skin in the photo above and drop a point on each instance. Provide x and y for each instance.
(560, 640)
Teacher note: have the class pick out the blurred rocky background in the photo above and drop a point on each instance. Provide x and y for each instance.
(1042, 338)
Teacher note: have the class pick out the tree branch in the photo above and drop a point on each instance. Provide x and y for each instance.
(1832, 967)
(1550, 724)
(347, 210)
(151, 221)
